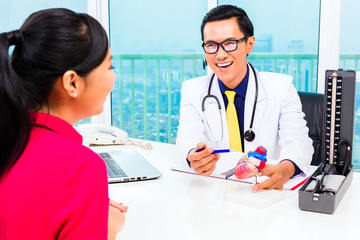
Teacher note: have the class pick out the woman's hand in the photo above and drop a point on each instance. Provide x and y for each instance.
(122, 208)
(116, 218)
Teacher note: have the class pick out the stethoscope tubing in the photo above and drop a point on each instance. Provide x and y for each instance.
(249, 134)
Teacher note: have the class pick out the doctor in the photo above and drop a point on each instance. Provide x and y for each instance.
(267, 106)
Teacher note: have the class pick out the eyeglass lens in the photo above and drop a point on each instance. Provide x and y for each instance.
(228, 46)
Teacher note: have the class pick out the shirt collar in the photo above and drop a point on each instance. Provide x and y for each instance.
(239, 89)
(56, 125)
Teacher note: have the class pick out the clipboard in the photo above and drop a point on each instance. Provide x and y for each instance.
(225, 168)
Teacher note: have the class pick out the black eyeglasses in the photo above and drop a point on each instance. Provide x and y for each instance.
(227, 45)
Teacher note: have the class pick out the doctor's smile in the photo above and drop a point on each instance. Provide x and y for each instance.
(223, 65)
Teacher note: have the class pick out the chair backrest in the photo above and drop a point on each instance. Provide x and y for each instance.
(313, 106)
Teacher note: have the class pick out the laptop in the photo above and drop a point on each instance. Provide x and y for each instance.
(127, 166)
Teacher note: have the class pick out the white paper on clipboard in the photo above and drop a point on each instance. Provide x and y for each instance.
(229, 160)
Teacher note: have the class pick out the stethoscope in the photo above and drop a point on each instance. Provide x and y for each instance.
(249, 135)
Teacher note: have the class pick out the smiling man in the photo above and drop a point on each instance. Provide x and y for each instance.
(240, 108)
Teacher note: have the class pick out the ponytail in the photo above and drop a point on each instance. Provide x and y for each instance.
(14, 116)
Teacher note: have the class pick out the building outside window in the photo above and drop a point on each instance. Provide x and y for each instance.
(156, 45)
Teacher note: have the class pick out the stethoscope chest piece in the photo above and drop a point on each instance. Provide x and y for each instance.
(249, 135)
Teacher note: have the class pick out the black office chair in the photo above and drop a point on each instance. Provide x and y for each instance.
(313, 106)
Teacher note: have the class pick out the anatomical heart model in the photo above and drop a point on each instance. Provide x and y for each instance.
(251, 163)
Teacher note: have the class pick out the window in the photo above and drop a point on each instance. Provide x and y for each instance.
(13, 13)
(286, 40)
(349, 59)
(156, 45)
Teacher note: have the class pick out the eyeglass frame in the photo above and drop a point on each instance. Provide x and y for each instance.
(221, 44)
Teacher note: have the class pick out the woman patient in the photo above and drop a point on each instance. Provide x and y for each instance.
(51, 186)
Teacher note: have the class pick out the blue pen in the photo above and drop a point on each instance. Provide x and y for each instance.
(218, 150)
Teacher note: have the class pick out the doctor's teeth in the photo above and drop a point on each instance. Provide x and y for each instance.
(223, 64)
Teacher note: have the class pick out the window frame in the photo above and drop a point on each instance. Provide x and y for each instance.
(99, 9)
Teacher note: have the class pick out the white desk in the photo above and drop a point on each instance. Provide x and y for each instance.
(185, 206)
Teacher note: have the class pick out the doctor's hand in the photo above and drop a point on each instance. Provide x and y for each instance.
(278, 174)
(203, 162)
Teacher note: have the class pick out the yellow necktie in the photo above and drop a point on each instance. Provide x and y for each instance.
(233, 123)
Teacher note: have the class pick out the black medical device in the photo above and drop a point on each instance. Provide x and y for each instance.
(323, 190)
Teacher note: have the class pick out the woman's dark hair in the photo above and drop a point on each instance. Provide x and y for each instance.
(49, 43)
(224, 12)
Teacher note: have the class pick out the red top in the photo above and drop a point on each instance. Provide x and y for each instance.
(58, 188)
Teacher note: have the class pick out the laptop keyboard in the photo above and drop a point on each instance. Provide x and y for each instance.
(113, 169)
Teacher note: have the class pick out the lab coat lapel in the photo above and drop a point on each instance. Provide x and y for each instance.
(249, 105)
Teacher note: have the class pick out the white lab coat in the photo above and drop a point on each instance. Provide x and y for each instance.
(279, 123)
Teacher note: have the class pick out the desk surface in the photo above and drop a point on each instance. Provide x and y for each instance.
(186, 206)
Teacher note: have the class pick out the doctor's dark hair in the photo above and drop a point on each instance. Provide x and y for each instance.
(224, 12)
(49, 43)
